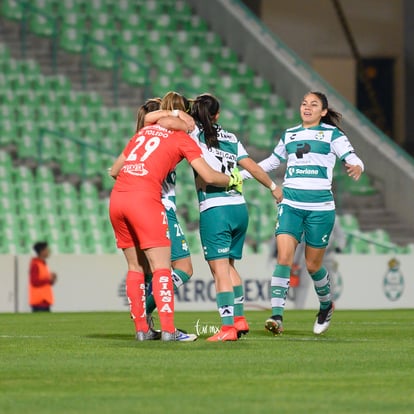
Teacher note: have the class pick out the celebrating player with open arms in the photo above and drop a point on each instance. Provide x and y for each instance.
(308, 208)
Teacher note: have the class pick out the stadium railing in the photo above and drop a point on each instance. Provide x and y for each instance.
(83, 147)
(371, 245)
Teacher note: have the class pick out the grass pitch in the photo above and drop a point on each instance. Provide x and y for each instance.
(90, 363)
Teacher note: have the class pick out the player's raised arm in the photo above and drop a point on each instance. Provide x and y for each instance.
(260, 175)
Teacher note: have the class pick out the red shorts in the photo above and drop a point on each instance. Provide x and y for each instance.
(138, 219)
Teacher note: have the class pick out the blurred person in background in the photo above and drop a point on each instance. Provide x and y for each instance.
(41, 279)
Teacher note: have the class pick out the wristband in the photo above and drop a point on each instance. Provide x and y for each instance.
(175, 112)
(272, 187)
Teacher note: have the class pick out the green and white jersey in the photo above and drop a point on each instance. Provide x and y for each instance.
(222, 159)
(168, 191)
(310, 154)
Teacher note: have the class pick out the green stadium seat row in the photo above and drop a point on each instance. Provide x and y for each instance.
(26, 119)
(75, 220)
(184, 42)
(194, 56)
(86, 112)
(33, 206)
(237, 83)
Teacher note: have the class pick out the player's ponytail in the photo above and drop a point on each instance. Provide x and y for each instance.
(332, 117)
(204, 110)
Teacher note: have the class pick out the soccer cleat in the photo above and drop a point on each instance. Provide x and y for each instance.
(323, 320)
(178, 336)
(274, 324)
(227, 334)
(150, 335)
(241, 325)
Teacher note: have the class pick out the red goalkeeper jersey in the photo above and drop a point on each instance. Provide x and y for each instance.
(150, 155)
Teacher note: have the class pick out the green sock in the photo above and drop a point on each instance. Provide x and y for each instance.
(279, 287)
(150, 304)
(238, 300)
(225, 304)
(148, 278)
(322, 287)
(179, 278)
(149, 301)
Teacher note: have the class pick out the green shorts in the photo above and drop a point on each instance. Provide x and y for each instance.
(179, 245)
(315, 226)
(223, 230)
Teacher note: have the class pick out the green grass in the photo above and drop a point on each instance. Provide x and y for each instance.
(90, 363)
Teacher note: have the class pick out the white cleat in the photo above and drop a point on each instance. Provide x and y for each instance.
(323, 320)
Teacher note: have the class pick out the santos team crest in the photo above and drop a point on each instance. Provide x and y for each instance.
(393, 281)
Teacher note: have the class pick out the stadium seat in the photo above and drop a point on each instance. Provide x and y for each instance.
(150, 8)
(257, 88)
(181, 40)
(166, 63)
(381, 242)
(134, 72)
(166, 23)
(6, 166)
(69, 7)
(226, 60)
(124, 8)
(43, 23)
(362, 187)
(92, 8)
(193, 56)
(71, 38)
(133, 22)
(247, 80)
(73, 18)
(231, 121)
(236, 101)
(12, 9)
(359, 245)
(260, 137)
(8, 132)
(103, 56)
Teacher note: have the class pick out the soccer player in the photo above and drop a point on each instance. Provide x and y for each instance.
(173, 103)
(171, 112)
(308, 208)
(223, 214)
(139, 219)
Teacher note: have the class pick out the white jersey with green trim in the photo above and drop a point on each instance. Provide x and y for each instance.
(310, 154)
(168, 191)
(223, 159)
